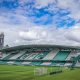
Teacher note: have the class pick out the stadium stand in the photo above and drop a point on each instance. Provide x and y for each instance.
(42, 55)
(72, 54)
(30, 57)
(61, 55)
(50, 56)
(39, 56)
(10, 55)
(4, 55)
(21, 57)
(17, 56)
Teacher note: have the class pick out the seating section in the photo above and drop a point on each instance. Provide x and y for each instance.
(46, 63)
(30, 57)
(39, 56)
(18, 55)
(61, 56)
(36, 63)
(26, 63)
(10, 55)
(72, 53)
(21, 57)
(6, 56)
(3, 62)
(50, 56)
(24, 54)
(33, 57)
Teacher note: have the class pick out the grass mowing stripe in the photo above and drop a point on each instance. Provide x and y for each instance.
(27, 73)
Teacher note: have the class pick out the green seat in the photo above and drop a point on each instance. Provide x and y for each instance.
(39, 56)
(36, 63)
(61, 55)
(3, 62)
(22, 57)
(10, 55)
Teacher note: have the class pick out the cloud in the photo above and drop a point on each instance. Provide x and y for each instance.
(34, 33)
(73, 34)
(51, 35)
(43, 12)
(19, 28)
(8, 25)
(40, 3)
(73, 6)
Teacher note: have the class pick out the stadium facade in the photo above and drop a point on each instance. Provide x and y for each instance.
(41, 55)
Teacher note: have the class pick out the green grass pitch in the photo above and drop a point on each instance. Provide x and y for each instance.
(13, 72)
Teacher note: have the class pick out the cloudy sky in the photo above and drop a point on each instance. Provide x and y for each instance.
(40, 22)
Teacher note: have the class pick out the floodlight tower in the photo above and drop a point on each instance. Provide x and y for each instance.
(1, 40)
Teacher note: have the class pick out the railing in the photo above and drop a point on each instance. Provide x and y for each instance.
(57, 61)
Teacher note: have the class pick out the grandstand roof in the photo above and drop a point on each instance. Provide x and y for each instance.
(39, 46)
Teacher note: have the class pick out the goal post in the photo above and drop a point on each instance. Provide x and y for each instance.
(40, 71)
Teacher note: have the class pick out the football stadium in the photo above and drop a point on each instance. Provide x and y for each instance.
(40, 62)
(39, 39)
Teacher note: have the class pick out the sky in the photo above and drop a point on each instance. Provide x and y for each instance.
(55, 22)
